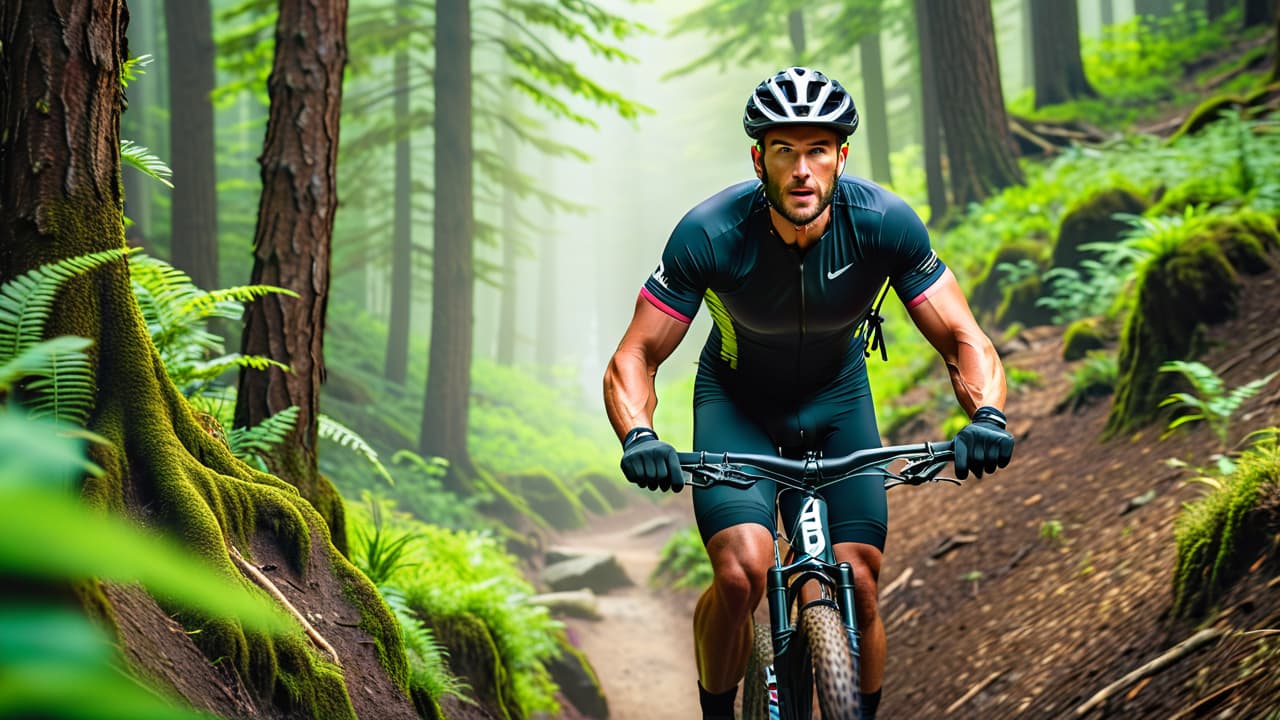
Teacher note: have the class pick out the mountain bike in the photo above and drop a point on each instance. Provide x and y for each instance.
(810, 640)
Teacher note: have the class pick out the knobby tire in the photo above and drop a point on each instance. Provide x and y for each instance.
(755, 690)
(835, 668)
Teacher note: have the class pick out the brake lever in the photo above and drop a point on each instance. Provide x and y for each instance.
(923, 470)
(732, 475)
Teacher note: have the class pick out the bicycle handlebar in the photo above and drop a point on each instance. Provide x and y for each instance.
(924, 462)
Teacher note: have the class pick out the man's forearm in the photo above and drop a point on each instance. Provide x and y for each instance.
(977, 375)
(629, 395)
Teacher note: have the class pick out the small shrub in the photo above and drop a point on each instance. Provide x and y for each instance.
(683, 562)
(1210, 400)
(1081, 337)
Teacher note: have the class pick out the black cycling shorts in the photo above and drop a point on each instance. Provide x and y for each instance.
(837, 419)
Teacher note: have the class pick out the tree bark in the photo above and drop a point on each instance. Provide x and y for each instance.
(292, 241)
(447, 407)
(1259, 12)
(548, 310)
(980, 148)
(60, 106)
(402, 234)
(1059, 70)
(507, 327)
(194, 229)
(1107, 12)
(930, 123)
(874, 110)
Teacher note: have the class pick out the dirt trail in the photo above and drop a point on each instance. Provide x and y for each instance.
(642, 649)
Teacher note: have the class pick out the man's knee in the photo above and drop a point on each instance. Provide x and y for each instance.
(740, 559)
(865, 560)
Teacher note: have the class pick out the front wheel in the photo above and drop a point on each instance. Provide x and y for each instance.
(756, 690)
(835, 669)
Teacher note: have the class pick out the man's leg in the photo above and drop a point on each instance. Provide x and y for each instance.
(865, 560)
(740, 558)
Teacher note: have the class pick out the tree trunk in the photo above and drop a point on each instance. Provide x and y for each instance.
(1153, 8)
(193, 244)
(1107, 12)
(1028, 44)
(1275, 68)
(980, 149)
(875, 108)
(141, 95)
(402, 238)
(930, 124)
(506, 353)
(1259, 12)
(292, 241)
(1059, 71)
(60, 105)
(795, 26)
(1214, 9)
(548, 329)
(447, 407)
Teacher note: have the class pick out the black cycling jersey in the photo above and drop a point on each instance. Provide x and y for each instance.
(787, 320)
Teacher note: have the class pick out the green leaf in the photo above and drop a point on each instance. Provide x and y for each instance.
(53, 536)
(335, 431)
(143, 159)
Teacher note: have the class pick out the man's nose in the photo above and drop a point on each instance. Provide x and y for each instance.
(801, 168)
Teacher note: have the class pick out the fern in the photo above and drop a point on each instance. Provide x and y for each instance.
(56, 375)
(1211, 401)
(251, 444)
(331, 429)
(428, 660)
(143, 159)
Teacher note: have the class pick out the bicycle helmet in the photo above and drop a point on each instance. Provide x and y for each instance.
(799, 96)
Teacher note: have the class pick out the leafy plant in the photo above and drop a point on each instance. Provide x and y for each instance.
(1210, 400)
(336, 432)
(53, 379)
(683, 562)
(253, 444)
(1051, 532)
(379, 553)
(1095, 377)
(146, 161)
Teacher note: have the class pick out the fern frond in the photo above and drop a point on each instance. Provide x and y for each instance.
(37, 360)
(205, 304)
(431, 467)
(143, 159)
(27, 300)
(66, 391)
(252, 442)
(331, 429)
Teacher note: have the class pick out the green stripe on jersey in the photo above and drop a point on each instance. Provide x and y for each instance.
(728, 337)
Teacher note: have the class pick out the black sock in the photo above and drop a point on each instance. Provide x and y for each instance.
(867, 705)
(717, 706)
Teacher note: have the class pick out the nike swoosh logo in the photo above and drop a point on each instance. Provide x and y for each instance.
(838, 273)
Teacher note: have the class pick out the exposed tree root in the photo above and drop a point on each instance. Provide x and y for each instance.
(1174, 654)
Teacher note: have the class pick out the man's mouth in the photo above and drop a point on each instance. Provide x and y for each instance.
(801, 193)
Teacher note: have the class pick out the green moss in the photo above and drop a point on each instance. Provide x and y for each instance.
(547, 496)
(501, 503)
(1092, 220)
(611, 487)
(987, 292)
(572, 671)
(473, 655)
(1198, 280)
(1222, 534)
(1082, 336)
(1217, 107)
(1019, 304)
(592, 501)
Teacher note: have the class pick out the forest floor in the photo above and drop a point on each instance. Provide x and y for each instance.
(1058, 580)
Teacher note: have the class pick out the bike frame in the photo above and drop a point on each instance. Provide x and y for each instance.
(812, 556)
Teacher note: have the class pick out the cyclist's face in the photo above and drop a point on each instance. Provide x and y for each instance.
(799, 167)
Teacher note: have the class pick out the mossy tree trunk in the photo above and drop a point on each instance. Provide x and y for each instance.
(980, 148)
(292, 242)
(446, 408)
(1275, 68)
(930, 125)
(193, 244)
(1059, 70)
(397, 361)
(60, 106)
(1259, 12)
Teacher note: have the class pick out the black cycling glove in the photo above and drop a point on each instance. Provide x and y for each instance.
(984, 444)
(651, 463)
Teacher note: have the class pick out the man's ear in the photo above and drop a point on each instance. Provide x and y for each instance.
(757, 159)
(844, 155)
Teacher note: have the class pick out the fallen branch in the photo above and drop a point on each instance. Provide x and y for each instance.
(264, 582)
(897, 583)
(974, 691)
(1174, 654)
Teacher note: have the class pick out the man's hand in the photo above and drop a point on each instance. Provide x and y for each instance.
(984, 444)
(651, 463)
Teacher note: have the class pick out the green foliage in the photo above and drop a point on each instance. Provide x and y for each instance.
(177, 315)
(377, 552)
(683, 562)
(145, 161)
(1219, 535)
(254, 444)
(466, 572)
(343, 436)
(1210, 400)
(1096, 377)
(1019, 379)
(59, 381)
(1081, 337)
(1051, 532)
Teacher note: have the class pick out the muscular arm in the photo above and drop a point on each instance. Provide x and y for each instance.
(944, 318)
(629, 394)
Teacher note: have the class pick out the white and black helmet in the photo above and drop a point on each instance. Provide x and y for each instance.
(799, 96)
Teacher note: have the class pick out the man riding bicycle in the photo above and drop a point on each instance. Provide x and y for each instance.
(789, 266)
